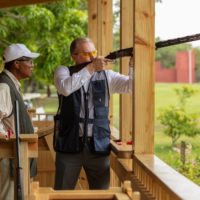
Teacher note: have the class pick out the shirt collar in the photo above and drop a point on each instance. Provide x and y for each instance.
(13, 78)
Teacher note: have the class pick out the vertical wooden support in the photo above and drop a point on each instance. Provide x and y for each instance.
(126, 33)
(143, 103)
(100, 25)
(93, 21)
(100, 29)
(25, 170)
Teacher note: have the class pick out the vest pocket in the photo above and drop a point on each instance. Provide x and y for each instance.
(100, 112)
(101, 137)
(98, 89)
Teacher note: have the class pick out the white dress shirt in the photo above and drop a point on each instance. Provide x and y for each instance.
(66, 84)
(7, 120)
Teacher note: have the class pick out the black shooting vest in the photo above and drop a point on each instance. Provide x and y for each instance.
(68, 139)
(25, 124)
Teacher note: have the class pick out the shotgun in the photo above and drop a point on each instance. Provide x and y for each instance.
(19, 188)
(129, 51)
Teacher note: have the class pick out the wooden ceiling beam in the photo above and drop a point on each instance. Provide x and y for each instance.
(11, 3)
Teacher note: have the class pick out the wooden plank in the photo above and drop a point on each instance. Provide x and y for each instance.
(104, 28)
(126, 35)
(100, 31)
(123, 173)
(11, 3)
(115, 193)
(46, 173)
(100, 25)
(174, 184)
(123, 150)
(26, 151)
(92, 18)
(143, 103)
(24, 159)
(49, 141)
(7, 149)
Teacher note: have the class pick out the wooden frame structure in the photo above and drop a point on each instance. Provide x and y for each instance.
(28, 149)
(148, 175)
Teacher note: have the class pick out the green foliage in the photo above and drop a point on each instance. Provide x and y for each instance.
(176, 120)
(184, 93)
(45, 28)
(191, 169)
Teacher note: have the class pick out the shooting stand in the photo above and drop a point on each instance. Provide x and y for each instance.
(116, 193)
(28, 149)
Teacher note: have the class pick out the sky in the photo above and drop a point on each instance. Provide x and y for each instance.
(177, 18)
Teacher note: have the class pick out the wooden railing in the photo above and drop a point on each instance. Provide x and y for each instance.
(149, 175)
(152, 177)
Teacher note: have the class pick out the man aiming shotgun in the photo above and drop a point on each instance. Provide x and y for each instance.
(129, 51)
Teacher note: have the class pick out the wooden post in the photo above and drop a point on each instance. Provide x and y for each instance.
(100, 25)
(182, 152)
(126, 33)
(100, 30)
(143, 101)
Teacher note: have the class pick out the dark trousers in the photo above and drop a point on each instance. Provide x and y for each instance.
(68, 167)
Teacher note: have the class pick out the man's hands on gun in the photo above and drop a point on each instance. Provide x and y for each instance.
(99, 63)
(131, 62)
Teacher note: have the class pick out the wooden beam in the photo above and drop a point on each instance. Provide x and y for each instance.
(11, 3)
(100, 30)
(143, 105)
(100, 25)
(126, 33)
(92, 21)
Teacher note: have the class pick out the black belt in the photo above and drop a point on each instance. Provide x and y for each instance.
(89, 121)
(88, 139)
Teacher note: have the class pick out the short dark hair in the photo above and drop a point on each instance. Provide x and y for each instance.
(9, 65)
(77, 41)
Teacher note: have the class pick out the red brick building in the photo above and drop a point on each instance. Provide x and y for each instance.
(182, 72)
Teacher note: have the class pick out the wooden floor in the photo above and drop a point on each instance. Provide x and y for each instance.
(117, 193)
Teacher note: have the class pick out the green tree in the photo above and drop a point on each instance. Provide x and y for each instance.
(184, 94)
(176, 120)
(46, 28)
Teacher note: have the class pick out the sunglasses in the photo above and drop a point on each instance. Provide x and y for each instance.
(30, 61)
(87, 54)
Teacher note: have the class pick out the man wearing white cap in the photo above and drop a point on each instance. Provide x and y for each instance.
(18, 60)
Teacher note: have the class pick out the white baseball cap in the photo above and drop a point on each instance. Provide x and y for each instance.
(15, 51)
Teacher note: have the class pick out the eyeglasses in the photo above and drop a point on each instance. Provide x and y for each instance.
(29, 61)
(87, 54)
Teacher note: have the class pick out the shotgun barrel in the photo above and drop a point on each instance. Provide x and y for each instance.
(19, 185)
